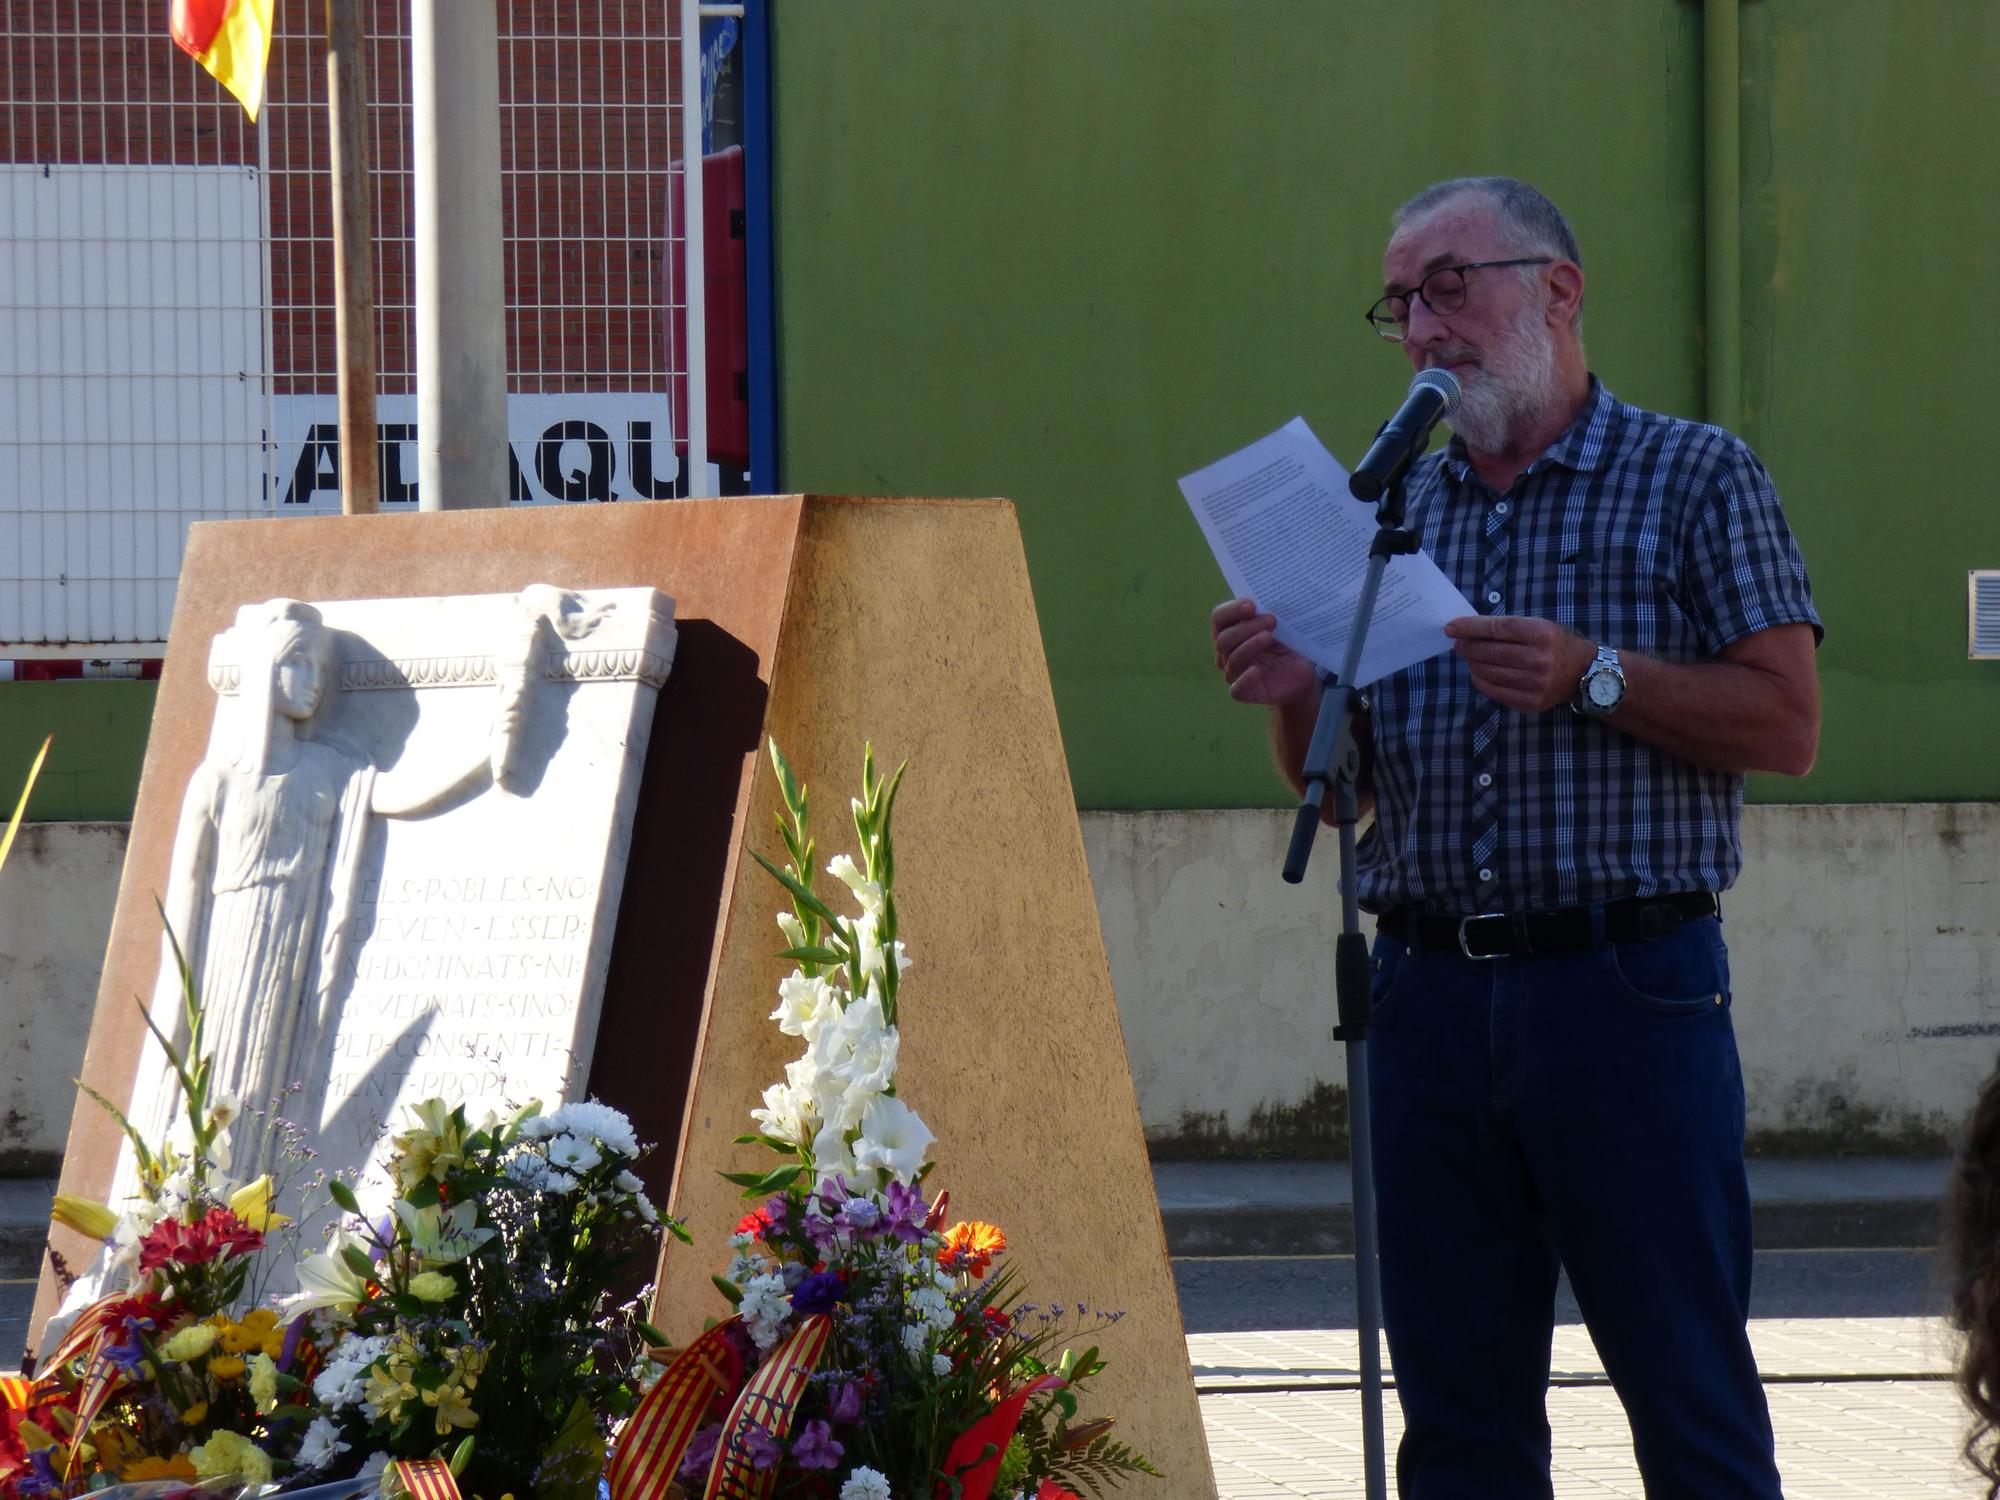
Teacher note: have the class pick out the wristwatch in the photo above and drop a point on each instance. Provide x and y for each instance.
(1602, 687)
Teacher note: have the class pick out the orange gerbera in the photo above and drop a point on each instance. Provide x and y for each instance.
(971, 1246)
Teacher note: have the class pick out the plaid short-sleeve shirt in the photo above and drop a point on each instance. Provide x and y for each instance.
(1635, 530)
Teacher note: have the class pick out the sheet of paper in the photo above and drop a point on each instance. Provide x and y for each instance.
(1279, 519)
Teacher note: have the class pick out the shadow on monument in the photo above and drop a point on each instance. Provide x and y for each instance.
(708, 725)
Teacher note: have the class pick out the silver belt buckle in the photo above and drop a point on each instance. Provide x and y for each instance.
(1465, 922)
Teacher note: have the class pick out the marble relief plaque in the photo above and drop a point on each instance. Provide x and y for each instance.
(399, 864)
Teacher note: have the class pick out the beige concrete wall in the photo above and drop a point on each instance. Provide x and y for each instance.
(1865, 942)
(56, 895)
(1865, 959)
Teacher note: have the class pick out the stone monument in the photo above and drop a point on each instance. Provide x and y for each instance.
(397, 866)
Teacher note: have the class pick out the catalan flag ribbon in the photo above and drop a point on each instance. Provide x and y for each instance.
(768, 1402)
(425, 1479)
(650, 1447)
(230, 38)
(17, 1392)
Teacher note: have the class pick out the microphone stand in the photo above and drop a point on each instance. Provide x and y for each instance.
(1333, 762)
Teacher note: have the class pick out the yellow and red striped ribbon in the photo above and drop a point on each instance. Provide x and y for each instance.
(425, 1478)
(100, 1378)
(18, 1392)
(768, 1400)
(96, 1319)
(650, 1447)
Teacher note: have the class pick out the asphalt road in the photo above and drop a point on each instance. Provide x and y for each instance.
(1251, 1293)
(1239, 1295)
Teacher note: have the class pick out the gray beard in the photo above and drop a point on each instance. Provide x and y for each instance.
(1516, 383)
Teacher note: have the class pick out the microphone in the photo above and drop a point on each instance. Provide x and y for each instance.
(1433, 397)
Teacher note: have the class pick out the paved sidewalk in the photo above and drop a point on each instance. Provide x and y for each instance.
(1863, 1408)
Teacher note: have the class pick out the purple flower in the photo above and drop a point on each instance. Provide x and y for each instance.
(701, 1451)
(294, 1331)
(860, 1215)
(816, 1447)
(818, 1293)
(906, 1212)
(754, 1442)
(846, 1405)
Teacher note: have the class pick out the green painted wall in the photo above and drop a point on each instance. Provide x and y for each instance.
(92, 772)
(1067, 250)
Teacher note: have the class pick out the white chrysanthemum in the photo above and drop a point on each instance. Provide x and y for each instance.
(646, 1210)
(893, 1139)
(572, 1154)
(865, 1484)
(558, 1182)
(628, 1182)
(916, 1338)
(321, 1444)
(940, 1365)
(598, 1122)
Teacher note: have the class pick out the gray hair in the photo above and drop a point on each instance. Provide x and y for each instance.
(1524, 209)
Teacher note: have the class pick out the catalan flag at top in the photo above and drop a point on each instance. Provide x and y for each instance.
(230, 38)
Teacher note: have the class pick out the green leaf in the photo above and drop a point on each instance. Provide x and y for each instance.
(424, 1194)
(358, 1262)
(788, 784)
(462, 1457)
(728, 1289)
(650, 1334)
(409, 1306)
(742, 1179)
(140, 1151)
(801, 892)
(779, 1178)
(342, 1194)
(816, 955)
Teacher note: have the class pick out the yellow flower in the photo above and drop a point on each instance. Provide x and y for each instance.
(190, 1343)
(195, 1415)
(432, 1286)
(389, 1389)
(453, 1408)
(234, 1454)
(263, 1381)
(252, 1204)
(226, 1366)
(85, 1215)
(430, 1146)
(257, 1331)
(177, 1467)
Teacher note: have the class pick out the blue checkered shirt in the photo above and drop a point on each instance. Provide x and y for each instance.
(1635, 530)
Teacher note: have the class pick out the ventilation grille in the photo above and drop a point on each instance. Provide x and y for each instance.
(1983, 604)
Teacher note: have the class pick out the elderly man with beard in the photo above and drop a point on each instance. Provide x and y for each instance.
(1556, 804)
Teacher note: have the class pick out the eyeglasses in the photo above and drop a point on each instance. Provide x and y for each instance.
(1442, 291)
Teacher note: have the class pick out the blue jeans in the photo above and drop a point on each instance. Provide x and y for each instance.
(1583, 1109)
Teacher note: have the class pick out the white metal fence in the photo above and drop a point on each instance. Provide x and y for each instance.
(166, 319)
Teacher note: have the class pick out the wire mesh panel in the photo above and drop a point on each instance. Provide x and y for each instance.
(133, 365)
(167, 347)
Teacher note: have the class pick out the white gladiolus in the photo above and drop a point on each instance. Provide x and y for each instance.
(867, 892)
(804, 1004)
(793, 929)
(783, 1116)
(892, 1139)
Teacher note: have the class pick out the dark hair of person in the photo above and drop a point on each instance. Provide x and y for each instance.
(1971, 1266)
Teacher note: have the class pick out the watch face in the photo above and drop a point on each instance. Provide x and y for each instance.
(1605, 689)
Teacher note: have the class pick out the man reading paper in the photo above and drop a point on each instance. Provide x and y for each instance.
(1557, 803)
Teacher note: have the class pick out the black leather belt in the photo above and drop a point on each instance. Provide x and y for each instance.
(1636, 919)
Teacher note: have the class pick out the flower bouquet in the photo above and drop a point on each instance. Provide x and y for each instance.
(168, 1378)
(871, 1354)
(474, 1334)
